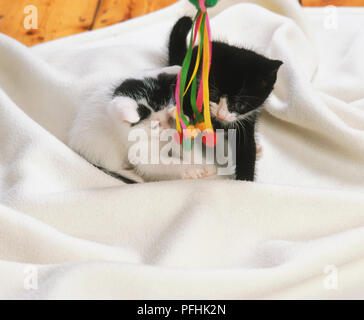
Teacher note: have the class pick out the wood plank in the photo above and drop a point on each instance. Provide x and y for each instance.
(56, 18)
(114, 11)
(321, 3)
(59, 18)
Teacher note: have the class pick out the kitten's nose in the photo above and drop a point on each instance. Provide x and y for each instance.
(222, 108)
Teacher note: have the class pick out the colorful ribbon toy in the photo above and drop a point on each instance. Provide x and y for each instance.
(200, 100)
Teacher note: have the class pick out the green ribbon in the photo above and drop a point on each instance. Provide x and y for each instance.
(184, 71)
(193, 98)
(208, 3)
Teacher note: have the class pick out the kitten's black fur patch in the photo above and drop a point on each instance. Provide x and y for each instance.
(143, 111)
(158, 92)
(244, 77)
(132, 88)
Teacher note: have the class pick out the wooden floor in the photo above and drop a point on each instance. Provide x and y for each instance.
(321, 3)
(59, 18)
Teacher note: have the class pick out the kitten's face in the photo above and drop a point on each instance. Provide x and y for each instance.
(157, 108)
(148, 101)
(242, 85)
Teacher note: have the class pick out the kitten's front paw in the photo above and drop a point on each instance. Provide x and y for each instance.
(214, 108)
(194, 173)
(198, 172)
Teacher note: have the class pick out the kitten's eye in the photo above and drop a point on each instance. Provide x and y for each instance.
(241, 108)
(236, 107)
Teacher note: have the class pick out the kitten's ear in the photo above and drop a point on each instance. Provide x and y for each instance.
(276, 64)
(124, 109)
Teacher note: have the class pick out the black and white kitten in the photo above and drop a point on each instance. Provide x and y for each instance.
(101, 128)
(240, 82)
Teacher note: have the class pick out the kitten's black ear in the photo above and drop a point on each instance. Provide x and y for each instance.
(276, 64)
(272, 75)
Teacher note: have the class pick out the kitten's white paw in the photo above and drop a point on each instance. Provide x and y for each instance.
(214, 108)
(171, 70)
(198, 172)
(124, 109)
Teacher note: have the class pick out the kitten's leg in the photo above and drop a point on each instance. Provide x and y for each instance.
(124, 109)
(246, 152)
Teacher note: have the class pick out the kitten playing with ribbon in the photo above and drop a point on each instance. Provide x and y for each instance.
(233, 85)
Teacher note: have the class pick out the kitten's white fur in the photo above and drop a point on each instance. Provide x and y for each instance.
(101, 128)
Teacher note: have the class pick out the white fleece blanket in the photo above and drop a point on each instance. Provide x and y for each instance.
(67, 230)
